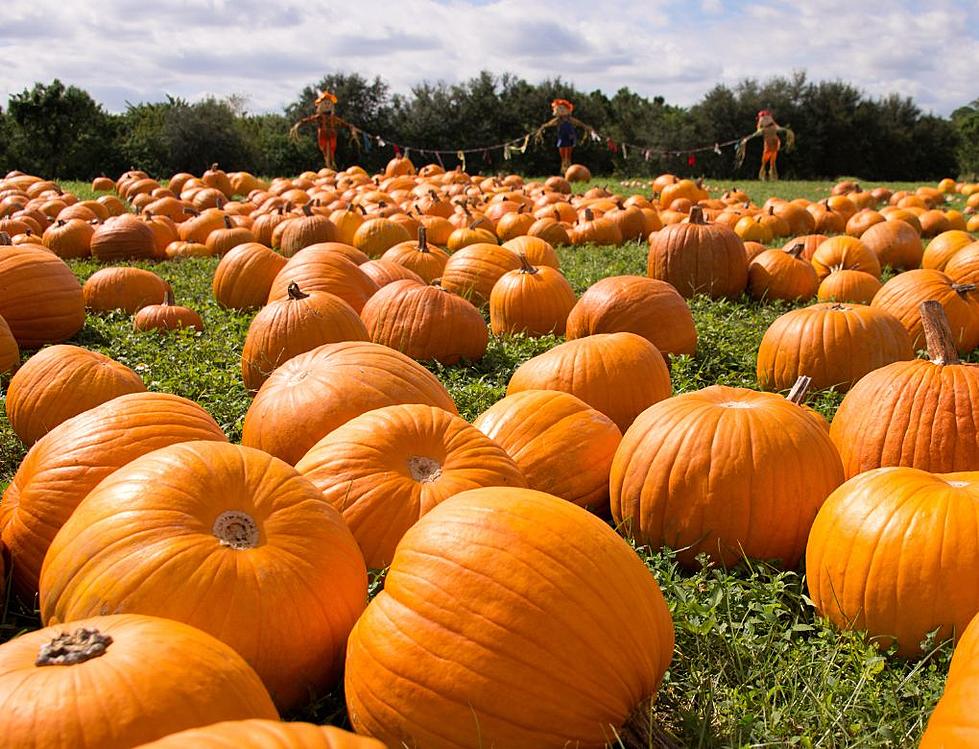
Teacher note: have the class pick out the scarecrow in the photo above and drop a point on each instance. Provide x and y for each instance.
(567, 136)
(768, 129)
(327, 124)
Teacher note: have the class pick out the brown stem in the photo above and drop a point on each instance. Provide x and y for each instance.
(5, 239)
(307, 209)
(228, 224)
(77, 647)
(938, 334)
(963, 288)
(473, 225)
(168, 298)
(423, 239)
(796, 250)
(525, 266)
(589, 215)
(697, 215)
(799, 390)
(295, 292)
(214, 166)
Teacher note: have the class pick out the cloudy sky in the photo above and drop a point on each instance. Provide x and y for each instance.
(266, 50)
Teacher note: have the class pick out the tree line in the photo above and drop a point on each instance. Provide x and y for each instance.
(61, 131)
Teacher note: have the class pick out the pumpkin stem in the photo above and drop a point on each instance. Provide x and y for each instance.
(5, 239)
(525, 266)
(424, 470)
(474, 225)
(295, 292)
(938, 334)
(236, 529)
(796, 250)
(423, 239)
(191, 211)
(214, 166)
(799, 390)
(963, 288)
(228, 223)
(307, 209)
(67, 649)
(62, 222)
(589, 215)
(697, 215)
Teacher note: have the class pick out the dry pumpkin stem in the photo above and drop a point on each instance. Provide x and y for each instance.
(295, 292)
(67, 649)
(424, 470)
(423, 239)
(697, 215)
(938, 334)
(796, 250)
(236, 529)
(525, 266)
(799, 390)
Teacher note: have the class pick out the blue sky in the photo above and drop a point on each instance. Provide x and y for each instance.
(122, 51)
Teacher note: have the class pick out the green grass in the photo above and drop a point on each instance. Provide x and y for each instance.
(753, 666)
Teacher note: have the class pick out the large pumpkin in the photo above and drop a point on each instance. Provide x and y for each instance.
(313, 393)
(920, 413)
(903, 294)
(40, 298)
(245, 275)
(60, 382)
(954, 723)
(264, 734)
(123, 238)
(563, 446)
(618, 374)
(782, 274)
(635, 304)
(426, 323)
(508, 618)
(889, 552)
(844, 253)
(126, 289)
(70, 460)
(385, 469)
(895, 244)
(292, 326)
(834, 344)
(531, 300)
(723, 471)
(698, 258)
(113, 682)
(306, 230)
(856, 286)
(224, 538)
(473, 271)
(944, 247)
(324, 269)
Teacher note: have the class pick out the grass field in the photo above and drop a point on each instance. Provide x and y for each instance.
(753, 665)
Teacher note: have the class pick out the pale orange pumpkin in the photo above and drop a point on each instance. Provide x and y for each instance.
(531, 300)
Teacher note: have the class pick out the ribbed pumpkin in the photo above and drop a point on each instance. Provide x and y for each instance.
(854, 286)
(245, 275)
(954, 722)
(9, 350)
(468, 235)
(963, 267)
(782, 274)
(698, 258)
(426, 322)
(181, 249)
(426, 261)
(312, 394)
(69, 239)
(903, 294)
(62, 381)
(385, 469)
(531, 300)
(222, 241)
(292, 326)
(383, 272)
(113, 682)
(264, 734)
(563, 446)
(126, 289)
(895, 244)
(537, 250)
(810, 243)
(123, 238)
(726, 472)
(618, 374)
(378, 235)
(497, 643)
(323, 269)
(224, 538)
(40, 298)
(166, 316)
(921, 413)
(833, 343)
(305, 230)
(473, 271)
(70, 460)
(944, 247)
(889, 552)
(635, 304)
(844, 253)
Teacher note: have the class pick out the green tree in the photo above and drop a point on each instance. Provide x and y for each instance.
(966, 122)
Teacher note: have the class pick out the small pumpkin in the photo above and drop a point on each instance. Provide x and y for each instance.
(531, 300)
(782, 274)
(473, 271)
(426, 261)
(126, 289)
(305, 230)
(166, 316)
(844, 253)
(895, 244)
(854, 286)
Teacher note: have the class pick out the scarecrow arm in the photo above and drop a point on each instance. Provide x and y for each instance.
(539, 132)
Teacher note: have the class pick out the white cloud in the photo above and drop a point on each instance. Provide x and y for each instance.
(123, 51)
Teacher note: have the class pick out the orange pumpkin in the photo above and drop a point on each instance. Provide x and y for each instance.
(62, 381)
(166, 316)
(834, 344)
(782, 274)
(698, 258)
(9, 350)
(844, 253)
(963, 267)
(531, 300)
(618, 374)
(383, 272)
(889, 551)
(132, 668)
(221, 241)
(324, 269)
(123, 238)
(69, 239)
(70, 460)
(920, 413)
(425, 322)
(314, 393)
(721, 488)
(292, 326)
(245, 275)
(582, 645)
(385, 469)
(426, 261)
(304, 231)
(953, 723)
(537, 250)
(944, 247)
(895, 244)
(563, 446)
(264, 734)
(246, 537)
(854, 286)
(473, 271)
(377, 235)
(40, 298)
(126, 289)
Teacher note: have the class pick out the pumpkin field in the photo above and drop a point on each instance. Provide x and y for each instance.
(471, 461)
